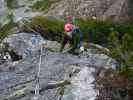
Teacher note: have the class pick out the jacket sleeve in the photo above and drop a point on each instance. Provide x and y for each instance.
(63, 42)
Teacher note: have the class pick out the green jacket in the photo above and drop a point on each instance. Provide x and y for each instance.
(74, 41)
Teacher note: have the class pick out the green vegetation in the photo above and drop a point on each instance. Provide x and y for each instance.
(122, 51)
(117, 37)
(6, 30)
(48, 27)
(121, 47)
(7, 23)
(43, 4)
(99, 31)
(11, 3)
(94, 31)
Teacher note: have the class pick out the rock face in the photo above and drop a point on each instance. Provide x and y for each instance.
(117, 10)
(19, 10)
(57, 69)
(26, 44)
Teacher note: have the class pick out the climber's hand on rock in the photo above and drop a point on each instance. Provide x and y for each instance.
(82, 49)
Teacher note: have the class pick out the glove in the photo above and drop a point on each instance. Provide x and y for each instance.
(82, 48)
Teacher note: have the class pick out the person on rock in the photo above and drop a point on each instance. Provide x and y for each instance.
(73, 36)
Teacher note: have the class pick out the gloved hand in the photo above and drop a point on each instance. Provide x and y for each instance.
(82, 49)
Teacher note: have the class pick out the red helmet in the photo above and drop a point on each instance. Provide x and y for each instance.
(68, 27)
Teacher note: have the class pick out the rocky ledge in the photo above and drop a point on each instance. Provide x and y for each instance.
(63, 76)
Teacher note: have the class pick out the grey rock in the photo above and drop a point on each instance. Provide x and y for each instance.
(27, 44)
(116, 10)
(79, 70)
(19, 11)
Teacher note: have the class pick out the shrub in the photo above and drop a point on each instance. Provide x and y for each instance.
(43, 4)
(94, 31)
(49, 28)
(5, 30)
(122, 51)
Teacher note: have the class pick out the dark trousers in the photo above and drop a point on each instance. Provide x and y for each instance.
(74, 41)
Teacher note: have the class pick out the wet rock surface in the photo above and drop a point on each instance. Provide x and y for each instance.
(18, 82)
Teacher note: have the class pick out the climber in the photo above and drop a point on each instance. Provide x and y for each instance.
(74, 36)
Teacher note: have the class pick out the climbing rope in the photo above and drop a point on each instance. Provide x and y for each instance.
(37, 77)
(37, 86)
(73, 5)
